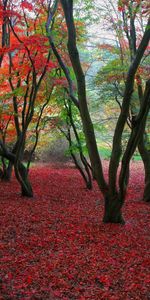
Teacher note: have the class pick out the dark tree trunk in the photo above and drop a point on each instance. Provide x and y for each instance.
(112, 211)
(87, 179)
(145, 154)
(85, 171)
(146, 196)
(22, 176)
(84, 111)
(7, 172)
(20, 171)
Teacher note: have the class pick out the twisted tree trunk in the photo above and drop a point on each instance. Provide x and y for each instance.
(20, 171)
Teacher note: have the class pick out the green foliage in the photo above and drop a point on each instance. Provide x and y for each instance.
(87, 6)
(105, 152)
(114, 70)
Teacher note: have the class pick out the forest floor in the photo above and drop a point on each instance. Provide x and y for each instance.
(55, 245)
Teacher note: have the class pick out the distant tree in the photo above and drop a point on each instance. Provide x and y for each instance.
(69, 125)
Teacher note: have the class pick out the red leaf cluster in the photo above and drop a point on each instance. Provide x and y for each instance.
(56, 246)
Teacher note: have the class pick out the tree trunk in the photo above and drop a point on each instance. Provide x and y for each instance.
(20, 171)
(7, 172)
(112, 211)
(146, 161)
(81, 86)
(146, 196)
(22, 176)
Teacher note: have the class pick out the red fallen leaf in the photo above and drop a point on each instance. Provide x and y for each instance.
(104, 279)
(35, 219)
(2, 246)
(133, 286)
(29, 279)
(57, 293)
(9, 276)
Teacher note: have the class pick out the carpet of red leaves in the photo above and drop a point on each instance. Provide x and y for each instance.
(55, 245)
